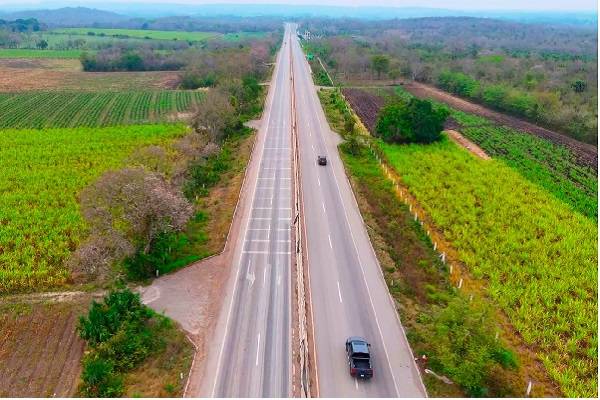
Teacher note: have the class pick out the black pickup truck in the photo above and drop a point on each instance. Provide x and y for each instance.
(359, 357)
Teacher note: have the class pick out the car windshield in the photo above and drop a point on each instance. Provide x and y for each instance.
(360, 347)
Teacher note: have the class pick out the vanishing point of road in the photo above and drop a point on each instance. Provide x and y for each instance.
(252, 349)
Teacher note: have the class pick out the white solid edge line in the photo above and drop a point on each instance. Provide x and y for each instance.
(257, 348)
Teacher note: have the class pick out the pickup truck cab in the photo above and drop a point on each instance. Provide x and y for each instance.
(359, 357)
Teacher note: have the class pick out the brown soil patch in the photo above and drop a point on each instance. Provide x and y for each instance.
(459, 139)
(366, 106)
(40, 351)
(586, 154)
(17, 75)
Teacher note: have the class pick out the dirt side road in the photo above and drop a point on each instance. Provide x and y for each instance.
(586, 153)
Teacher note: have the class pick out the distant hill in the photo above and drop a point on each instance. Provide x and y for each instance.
(69, 16)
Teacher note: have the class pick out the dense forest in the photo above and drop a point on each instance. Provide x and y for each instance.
(544, 73)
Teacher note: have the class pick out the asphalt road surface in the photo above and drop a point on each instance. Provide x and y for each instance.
(254, 357)
(349, 294)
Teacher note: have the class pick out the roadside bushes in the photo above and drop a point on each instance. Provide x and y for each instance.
(122, 59)
(121, 333)
(462, 344)
(416, 121)
(498, 96)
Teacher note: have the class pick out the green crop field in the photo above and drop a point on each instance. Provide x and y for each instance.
(71, 109)
(140, 33)
(539, 257)
(33, 53)
(42, 172)
(542, 162)
(552, 167)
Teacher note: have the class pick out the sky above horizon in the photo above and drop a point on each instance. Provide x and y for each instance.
(537, 5)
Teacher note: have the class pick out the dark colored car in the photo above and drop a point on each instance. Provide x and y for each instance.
(322, 160)
(359, 357)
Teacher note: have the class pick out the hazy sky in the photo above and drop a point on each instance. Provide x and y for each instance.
(450, 4)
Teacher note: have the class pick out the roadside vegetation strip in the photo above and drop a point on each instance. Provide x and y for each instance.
(553, 167)
(43, 171)
(539, 257)
(213, 187)
(43, 109)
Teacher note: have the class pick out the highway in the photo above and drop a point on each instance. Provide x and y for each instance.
(254, 357)
(348, 292)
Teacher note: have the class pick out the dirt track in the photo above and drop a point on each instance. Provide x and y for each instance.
(586, 154)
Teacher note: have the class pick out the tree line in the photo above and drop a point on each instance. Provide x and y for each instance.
(547, 74)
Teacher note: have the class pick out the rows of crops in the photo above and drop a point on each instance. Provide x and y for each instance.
(544, 163)
(42, 172)
(71, 109)
(539, 257)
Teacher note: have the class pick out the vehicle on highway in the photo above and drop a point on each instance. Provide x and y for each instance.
(359, 357)
(322, 160)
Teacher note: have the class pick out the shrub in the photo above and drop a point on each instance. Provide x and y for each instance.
(99, 379)
(459, 83)
(121, 333)
(463, 345)
(415, 121)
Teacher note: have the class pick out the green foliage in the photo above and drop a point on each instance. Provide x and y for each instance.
(539, 257)
(105, 319)
(579, 86)
(99, 379)
(550, 166)
(417, 121)
(71, 109)
(192, 80)
(140, 33)
(206, 173)
(164, 257)
(321, 78)
(380, 64)
(463, 345)
(458, 83)
(120, 333)
(43, 171)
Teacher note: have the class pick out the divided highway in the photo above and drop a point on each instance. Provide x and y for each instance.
(251, 353)
(348, 292)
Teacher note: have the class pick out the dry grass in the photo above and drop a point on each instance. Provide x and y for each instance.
(163, 374)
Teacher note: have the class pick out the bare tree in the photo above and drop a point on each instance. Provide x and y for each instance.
(135, 204)
(213, 114)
